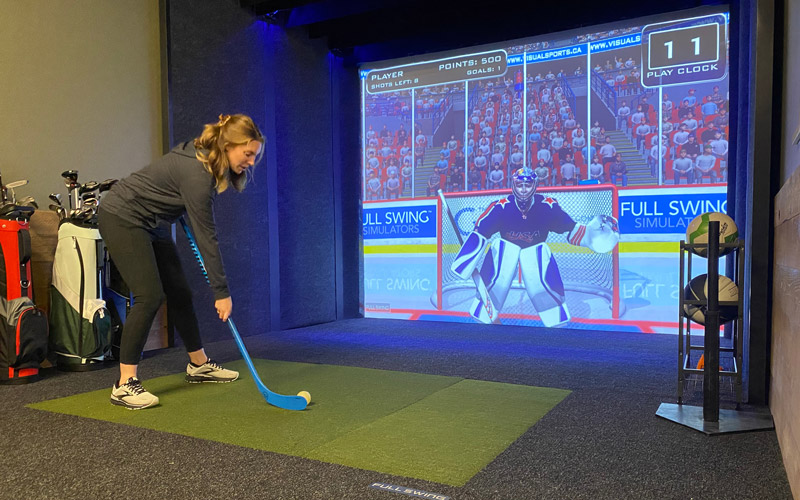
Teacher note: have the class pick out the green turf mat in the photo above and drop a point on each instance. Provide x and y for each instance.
(435, 428)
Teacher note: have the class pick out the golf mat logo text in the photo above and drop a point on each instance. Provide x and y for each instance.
(408, 491)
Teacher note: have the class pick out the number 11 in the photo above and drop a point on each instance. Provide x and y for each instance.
(695, 41)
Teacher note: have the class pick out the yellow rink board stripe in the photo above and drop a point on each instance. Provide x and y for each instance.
(400, 249)
(650, 247)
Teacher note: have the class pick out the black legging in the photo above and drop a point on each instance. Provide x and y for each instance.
(148, 262)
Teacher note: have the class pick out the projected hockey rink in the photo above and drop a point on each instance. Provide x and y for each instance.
(626, 121)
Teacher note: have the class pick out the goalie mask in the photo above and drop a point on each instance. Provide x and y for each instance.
(523, 183)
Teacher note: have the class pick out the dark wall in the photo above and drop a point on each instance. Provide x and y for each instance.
(346, 98)
(290, 240)
(217, 65)
(302, 90)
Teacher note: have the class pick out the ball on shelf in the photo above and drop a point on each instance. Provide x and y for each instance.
(697, 289)
(697, 232)
(306, 395)
(701, 363)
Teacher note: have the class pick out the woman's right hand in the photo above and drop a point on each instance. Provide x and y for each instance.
(224, 308)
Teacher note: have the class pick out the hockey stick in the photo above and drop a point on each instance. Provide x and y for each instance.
(273, 398)
(480, 286)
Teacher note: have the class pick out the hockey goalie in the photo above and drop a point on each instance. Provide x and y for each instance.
(524, 219)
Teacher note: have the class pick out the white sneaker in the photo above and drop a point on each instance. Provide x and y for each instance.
(209, 371)
(132, 395)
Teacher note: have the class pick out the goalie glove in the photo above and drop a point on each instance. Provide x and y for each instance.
(600, 235)
(469, 255)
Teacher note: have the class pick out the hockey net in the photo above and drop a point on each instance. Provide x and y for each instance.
(591, 280)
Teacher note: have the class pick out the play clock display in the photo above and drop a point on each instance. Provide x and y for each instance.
(685, 51)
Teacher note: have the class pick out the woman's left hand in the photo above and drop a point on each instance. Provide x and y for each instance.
(224, 308)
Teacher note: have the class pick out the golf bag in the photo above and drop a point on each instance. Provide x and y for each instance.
(80, 325)
(23, 327)
(15, 245)
(23, 340)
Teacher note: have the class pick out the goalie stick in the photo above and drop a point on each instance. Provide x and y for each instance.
(273, 398)
(480, 286)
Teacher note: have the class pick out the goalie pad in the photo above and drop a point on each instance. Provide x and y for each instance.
(468, 256)
(544, 285)
(600, 235)
(499, 270)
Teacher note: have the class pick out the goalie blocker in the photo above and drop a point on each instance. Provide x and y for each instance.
(524, 220)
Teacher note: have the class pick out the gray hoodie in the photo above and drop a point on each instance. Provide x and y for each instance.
(161, 192)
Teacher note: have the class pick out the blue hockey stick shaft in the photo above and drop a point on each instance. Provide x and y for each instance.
(273, 398)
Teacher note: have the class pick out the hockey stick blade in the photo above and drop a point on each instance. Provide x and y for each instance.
(273, 398)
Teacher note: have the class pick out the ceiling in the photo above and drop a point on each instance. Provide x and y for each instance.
(348, 24)
(404, 27)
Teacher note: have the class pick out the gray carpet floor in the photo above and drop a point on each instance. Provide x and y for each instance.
(604, 441)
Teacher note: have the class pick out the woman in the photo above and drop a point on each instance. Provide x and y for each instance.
(134, 222)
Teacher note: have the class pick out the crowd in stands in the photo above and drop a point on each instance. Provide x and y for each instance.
(493, 120)
(388, 162)
(433, 102)
(389, 157)
(495, 133)
(693, 144)
(496, 143)
(550, 76)
(429, 101)
(389, 104)
(558, 145)
(622, 75)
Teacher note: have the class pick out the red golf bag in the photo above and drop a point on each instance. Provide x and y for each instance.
(23, 327)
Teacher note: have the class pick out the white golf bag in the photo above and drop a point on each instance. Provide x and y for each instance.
(80, 325)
